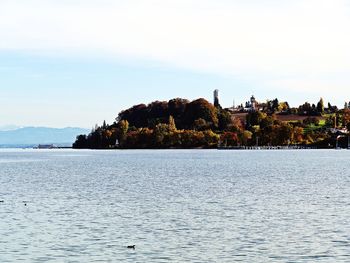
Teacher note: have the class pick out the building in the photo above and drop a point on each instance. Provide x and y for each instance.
(216, 98)
(253, 103)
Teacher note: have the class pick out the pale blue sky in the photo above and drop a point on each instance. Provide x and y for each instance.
(76, 63)
(59, 91)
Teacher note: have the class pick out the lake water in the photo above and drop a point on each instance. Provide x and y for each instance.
(175, 206)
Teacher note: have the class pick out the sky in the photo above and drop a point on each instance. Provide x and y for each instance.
(79, 62)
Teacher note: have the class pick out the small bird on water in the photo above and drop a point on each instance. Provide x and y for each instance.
(131, 247)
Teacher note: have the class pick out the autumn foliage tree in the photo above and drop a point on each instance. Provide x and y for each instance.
(180, 123)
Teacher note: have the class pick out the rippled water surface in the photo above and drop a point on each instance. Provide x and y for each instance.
(175, 206)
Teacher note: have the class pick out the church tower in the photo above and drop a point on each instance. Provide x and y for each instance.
(253, 103)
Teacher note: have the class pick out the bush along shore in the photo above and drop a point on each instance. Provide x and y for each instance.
(182, 124)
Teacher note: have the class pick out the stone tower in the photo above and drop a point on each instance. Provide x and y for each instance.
(216, 98)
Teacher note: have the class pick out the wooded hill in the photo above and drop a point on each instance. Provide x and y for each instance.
(180, 123)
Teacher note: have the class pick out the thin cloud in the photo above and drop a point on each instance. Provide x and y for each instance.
(246, 38)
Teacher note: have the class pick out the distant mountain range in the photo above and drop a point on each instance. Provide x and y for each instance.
(9, 127)
(32, 136)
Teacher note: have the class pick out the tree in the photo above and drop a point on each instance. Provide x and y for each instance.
(275, 105)
(332, 109)
(200, 125)
(172, 125)
(211, 138)
(123, 130)
(267, 121)
(136, 116)
(158, 110)
(332, 121)
(236, 125)
(320, 106)
(308, 109)
(160, 132)
(176, 108)
(284, 134)
(245, 136)
(311, 120)
(200, 109)
(229, 138)
(297, 135)
(255, 118)
(346, 117)
(81, 142)
(283, 106)
(225, 119)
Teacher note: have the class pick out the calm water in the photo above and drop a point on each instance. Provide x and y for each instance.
(175, 206)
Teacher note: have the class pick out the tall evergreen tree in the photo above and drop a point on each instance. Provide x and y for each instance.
(320, 106)
(172, 125)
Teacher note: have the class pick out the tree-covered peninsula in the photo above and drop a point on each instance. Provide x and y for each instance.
(180, 123)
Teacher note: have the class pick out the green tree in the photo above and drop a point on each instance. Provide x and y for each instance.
(297, 135)
(305, 109)
(332, 121)
(225, 119)
(211, 138)
(255, 118)
(311, 120)
(320, 106)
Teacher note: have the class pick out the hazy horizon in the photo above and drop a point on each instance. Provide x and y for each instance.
(12, 127)
(77, 63)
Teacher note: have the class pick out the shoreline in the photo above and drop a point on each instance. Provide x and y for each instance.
(247, 149)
